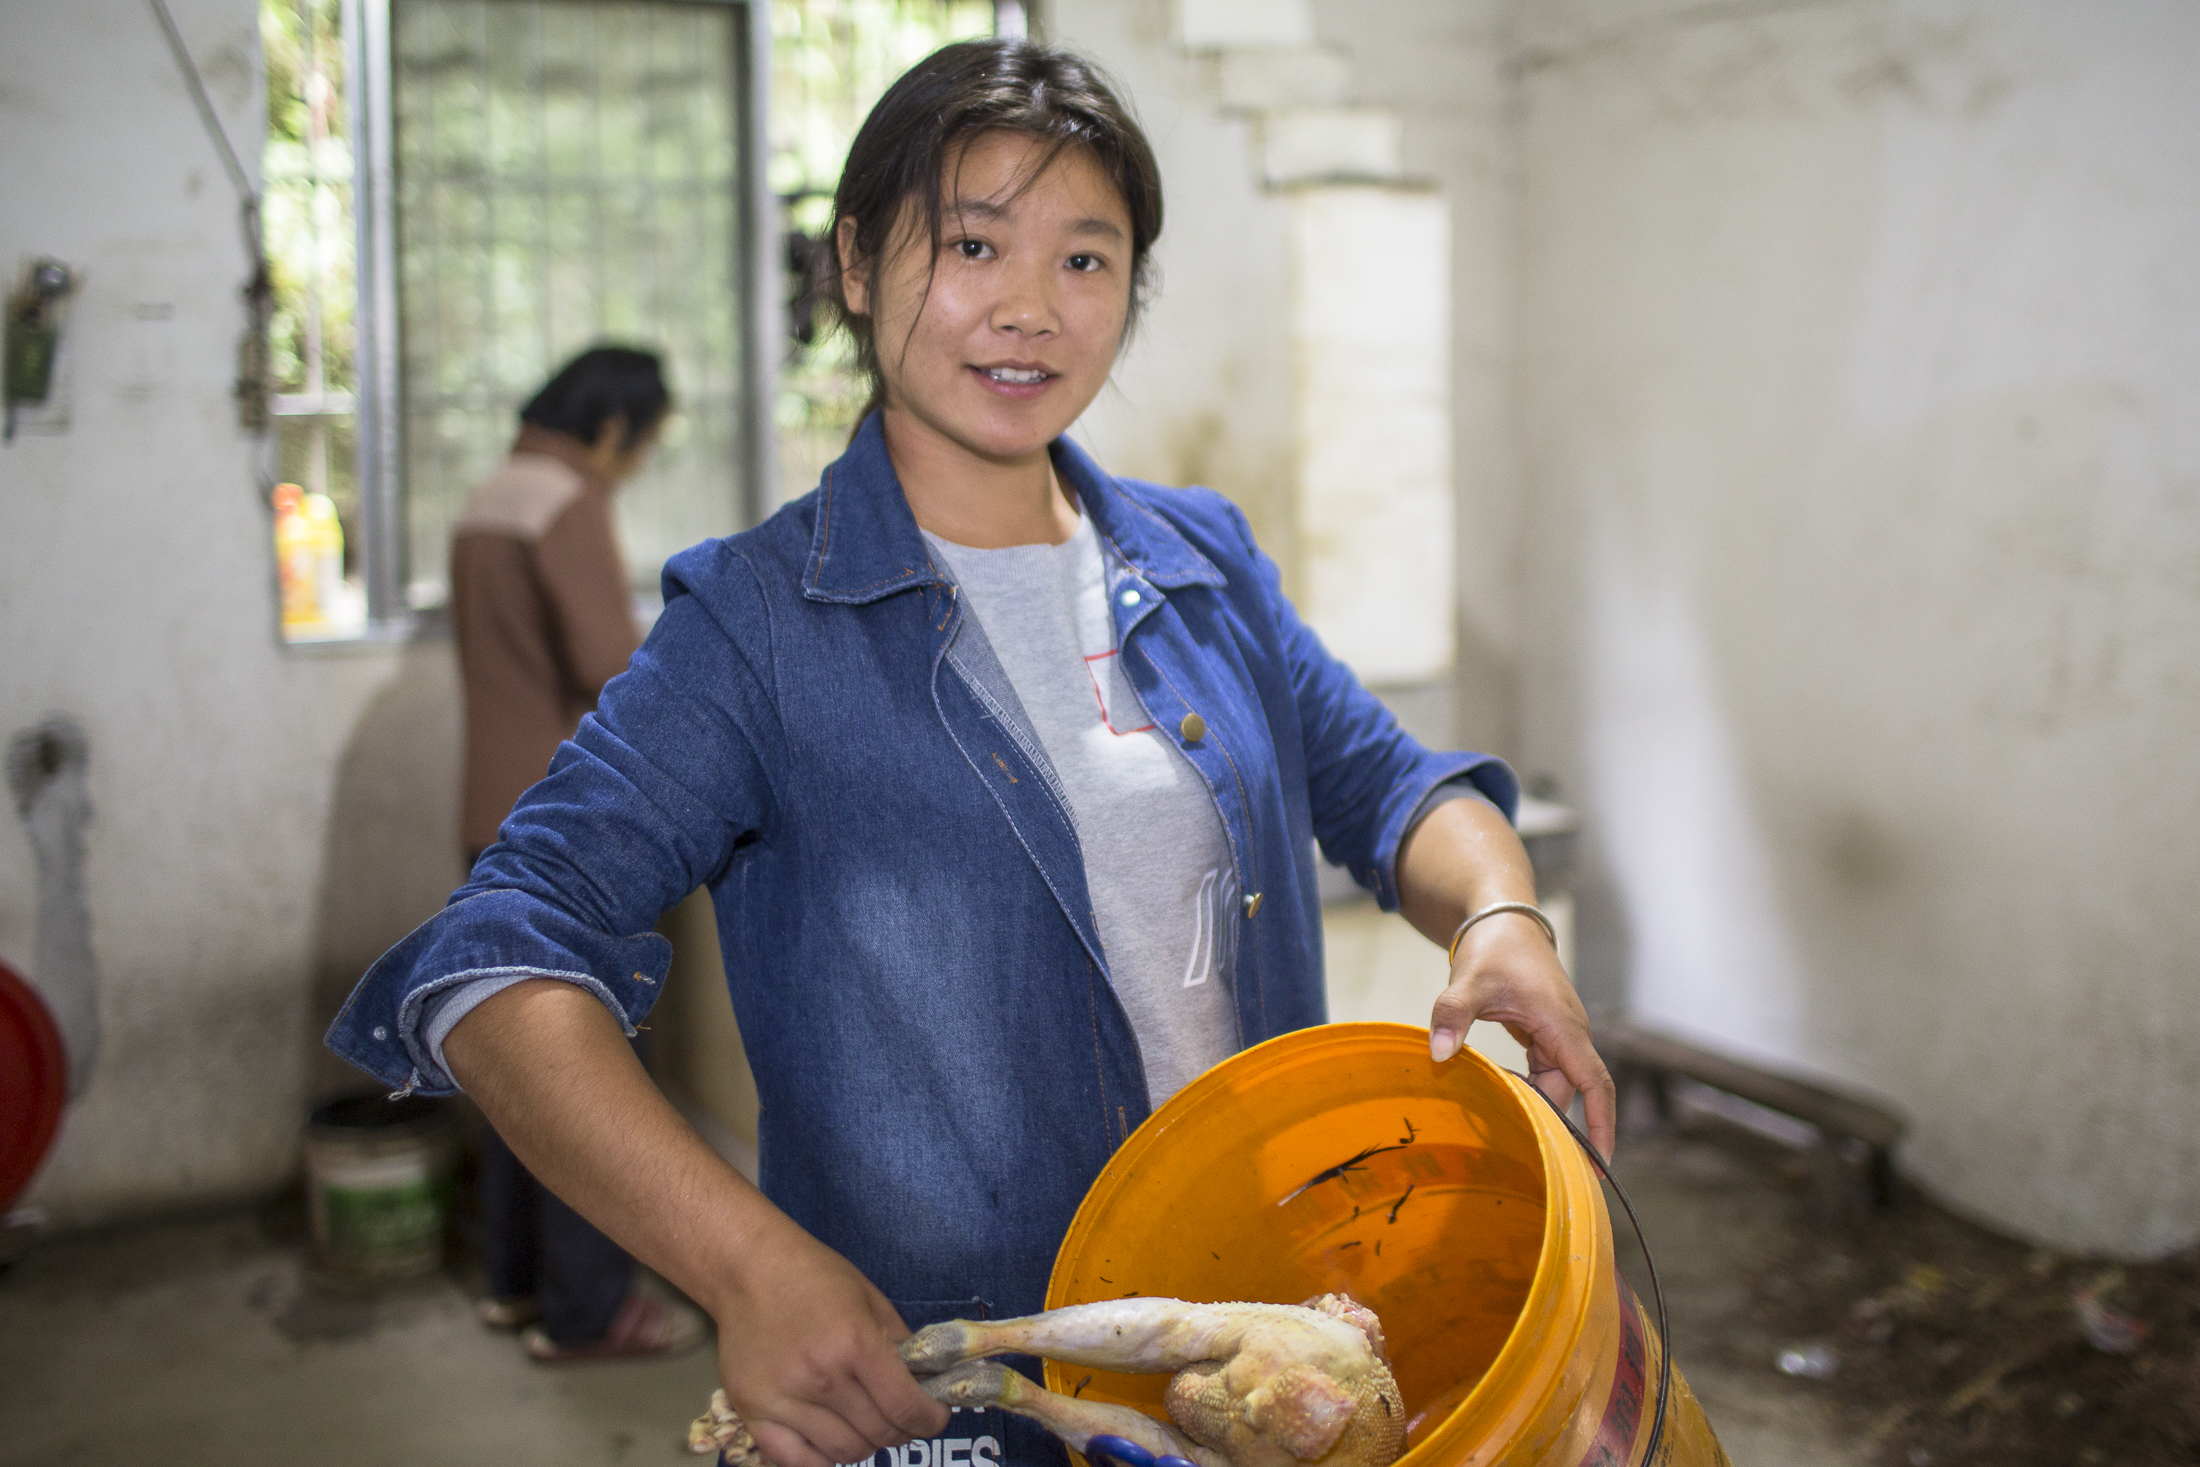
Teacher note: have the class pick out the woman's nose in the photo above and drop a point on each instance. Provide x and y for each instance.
(1026, 304)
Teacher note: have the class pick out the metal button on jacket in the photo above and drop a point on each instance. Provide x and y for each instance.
(1252, 906)
(1194, 728)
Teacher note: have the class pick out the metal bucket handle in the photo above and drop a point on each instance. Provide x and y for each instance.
(1657, 1291)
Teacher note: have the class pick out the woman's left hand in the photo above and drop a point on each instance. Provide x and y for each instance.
(1507, 972)
(1462, 857)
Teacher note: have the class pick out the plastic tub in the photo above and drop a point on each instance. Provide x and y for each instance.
(378, 1186)
(1449, 1198)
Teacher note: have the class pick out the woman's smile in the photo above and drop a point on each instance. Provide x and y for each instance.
(1017, 380)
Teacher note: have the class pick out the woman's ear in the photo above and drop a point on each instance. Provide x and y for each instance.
(855, 282)
(610, 437)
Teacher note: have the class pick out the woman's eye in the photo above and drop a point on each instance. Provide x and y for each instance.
(1085, 263)
(972, 249)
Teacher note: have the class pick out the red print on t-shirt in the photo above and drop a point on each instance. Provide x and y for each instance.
(1107, 686)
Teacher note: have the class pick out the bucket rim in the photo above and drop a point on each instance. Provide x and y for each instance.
(1527, 1373)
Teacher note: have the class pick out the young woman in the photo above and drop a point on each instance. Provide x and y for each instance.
(1004, 775)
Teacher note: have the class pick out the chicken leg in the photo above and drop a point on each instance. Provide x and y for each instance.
(1076, 1422)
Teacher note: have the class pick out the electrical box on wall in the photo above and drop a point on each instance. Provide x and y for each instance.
(35, 401)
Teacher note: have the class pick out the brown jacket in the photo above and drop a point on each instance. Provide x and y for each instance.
(543, 617)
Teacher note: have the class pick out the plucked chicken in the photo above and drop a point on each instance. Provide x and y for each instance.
(1256, 1385)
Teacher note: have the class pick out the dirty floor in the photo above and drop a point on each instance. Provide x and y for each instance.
(1718, 1211)
(205, 1342)
(201, 1343)
(1945, 1345)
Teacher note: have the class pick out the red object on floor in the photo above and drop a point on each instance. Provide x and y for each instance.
(34, 1083)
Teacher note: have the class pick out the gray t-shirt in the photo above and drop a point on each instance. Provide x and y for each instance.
(1157, 864)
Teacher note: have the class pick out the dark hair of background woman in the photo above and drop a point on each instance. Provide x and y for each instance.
(947, 100)
(600, 384)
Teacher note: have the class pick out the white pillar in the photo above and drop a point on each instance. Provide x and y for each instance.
(1207, 25)
(1370, 305)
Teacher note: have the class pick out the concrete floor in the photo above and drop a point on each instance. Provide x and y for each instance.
(204, 1342)
(1715, 1210)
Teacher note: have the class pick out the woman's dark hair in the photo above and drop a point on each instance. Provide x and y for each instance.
(600, 384)
(942, 104)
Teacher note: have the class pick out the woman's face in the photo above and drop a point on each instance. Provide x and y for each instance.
(1026, 305)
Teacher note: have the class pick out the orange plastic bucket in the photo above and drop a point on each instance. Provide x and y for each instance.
(1449, 1198)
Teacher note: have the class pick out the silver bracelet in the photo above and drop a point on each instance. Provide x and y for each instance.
(1525, 909)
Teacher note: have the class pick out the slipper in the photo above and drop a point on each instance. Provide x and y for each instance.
(645, 1325)
(507, 1314)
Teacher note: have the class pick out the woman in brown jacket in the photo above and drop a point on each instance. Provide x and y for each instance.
(544, 618)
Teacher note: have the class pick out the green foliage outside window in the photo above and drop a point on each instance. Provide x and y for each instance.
(309, 232)
(831, 61)
(307, 211)
(512, 254)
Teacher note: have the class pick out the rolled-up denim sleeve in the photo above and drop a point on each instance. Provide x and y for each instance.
(644, 804)
(1461, 787)
(1367, 778)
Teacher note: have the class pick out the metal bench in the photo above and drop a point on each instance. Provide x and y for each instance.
(1853, 1157)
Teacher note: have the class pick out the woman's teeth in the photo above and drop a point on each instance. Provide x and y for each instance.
(1015, 374)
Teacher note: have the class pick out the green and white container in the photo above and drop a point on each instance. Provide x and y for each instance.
(378, 1186)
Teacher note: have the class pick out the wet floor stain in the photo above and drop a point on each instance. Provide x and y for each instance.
(315, 1318)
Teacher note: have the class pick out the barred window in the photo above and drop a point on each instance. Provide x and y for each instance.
(461, 194)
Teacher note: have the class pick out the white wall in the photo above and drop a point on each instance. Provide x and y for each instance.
(1444, 67)
(1860, 349)
(136, 595)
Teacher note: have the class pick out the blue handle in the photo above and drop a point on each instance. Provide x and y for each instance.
(1122, 1449)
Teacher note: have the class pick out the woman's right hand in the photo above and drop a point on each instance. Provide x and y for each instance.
(805, 1342)
(806, 1354)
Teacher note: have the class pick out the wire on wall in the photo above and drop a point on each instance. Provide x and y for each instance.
(251, 388)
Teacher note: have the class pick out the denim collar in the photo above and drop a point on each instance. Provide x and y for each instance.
(867, 545)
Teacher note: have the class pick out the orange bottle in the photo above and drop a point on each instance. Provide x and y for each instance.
(295, 559)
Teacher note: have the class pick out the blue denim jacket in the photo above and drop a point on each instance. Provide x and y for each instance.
(816, 732)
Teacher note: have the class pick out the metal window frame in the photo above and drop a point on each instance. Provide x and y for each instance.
(379, 405)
